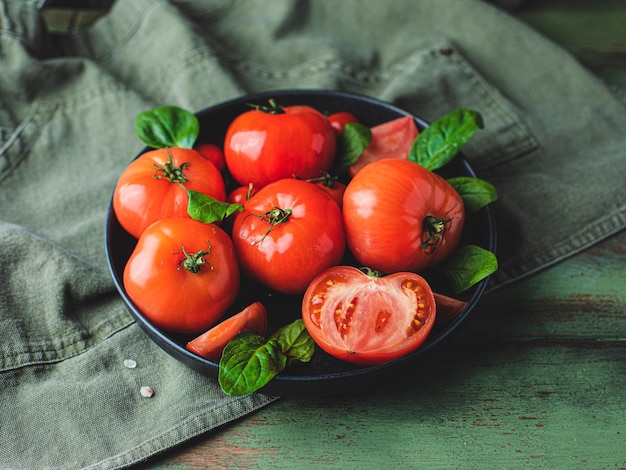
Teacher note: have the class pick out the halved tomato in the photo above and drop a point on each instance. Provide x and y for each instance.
(367, 319)
(391, 139)
(211, 343)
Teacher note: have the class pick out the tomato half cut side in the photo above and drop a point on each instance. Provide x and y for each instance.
(211, 343)
(365, 319)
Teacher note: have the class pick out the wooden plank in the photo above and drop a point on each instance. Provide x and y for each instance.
(510, 406)
(582, 299)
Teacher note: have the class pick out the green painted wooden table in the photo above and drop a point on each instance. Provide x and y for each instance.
(536, 378)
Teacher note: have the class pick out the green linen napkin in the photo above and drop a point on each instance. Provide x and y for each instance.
(553, 146)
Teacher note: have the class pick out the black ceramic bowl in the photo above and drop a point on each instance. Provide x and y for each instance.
(324, 375)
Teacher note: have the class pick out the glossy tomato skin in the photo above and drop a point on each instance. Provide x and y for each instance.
(241, 194)
(169, 295)
(387, 208)
(213, 153)
(211, 343)
(368, 320)
(287, 256)
(144, 194)
(260, 147)
(335, 189)
(339, 120)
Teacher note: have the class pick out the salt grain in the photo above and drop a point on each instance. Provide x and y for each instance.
(146, 392)
(130, 363)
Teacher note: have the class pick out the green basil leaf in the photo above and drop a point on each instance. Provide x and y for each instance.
(441, 141)
(467, 265)
(167, 126)
(248, 363)
(476, 193)
(295, 341)
(207, 209)
(352, 141)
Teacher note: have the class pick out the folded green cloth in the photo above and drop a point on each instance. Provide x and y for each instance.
(553, 146)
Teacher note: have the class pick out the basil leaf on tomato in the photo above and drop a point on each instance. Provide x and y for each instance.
(468, 265)
(167, 126)
(295, 341)
(475, 192)
(354, 138)
(440, 142)
(248, 363)
(207, 209)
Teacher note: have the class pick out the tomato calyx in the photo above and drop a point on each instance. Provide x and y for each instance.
(326, 179)
(272, 108)
(274, 217)
(371, 272)
(435, 229)
(170, 171)
(193, 262)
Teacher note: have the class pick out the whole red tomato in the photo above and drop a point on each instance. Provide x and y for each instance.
(267, 144)
(212, 153)
(400, 216)
(182, 275)
(241, 194)
(154, 186)
(288, 233)
(365, 319)
(339, 120)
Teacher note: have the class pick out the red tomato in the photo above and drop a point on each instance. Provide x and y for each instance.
(400, 216)
(330, 185)
(335, 189)
(211, 343)
(392, 139)
(365, 319)
(339, 120)
(213, 153)
(261, 147)
(241, 194)
(288, 233)
(154, 186)
(448, 308)
(182, 275)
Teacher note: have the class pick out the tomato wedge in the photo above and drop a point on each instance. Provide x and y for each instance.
(366, 319)
(391, 139)
(211, 343)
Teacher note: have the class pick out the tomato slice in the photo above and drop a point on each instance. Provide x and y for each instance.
(391, 139)
(365, 319)
(448, 308)
(211, 343)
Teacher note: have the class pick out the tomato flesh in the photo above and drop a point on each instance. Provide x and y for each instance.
(368, 320)
(391, 139)
(211, 343)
